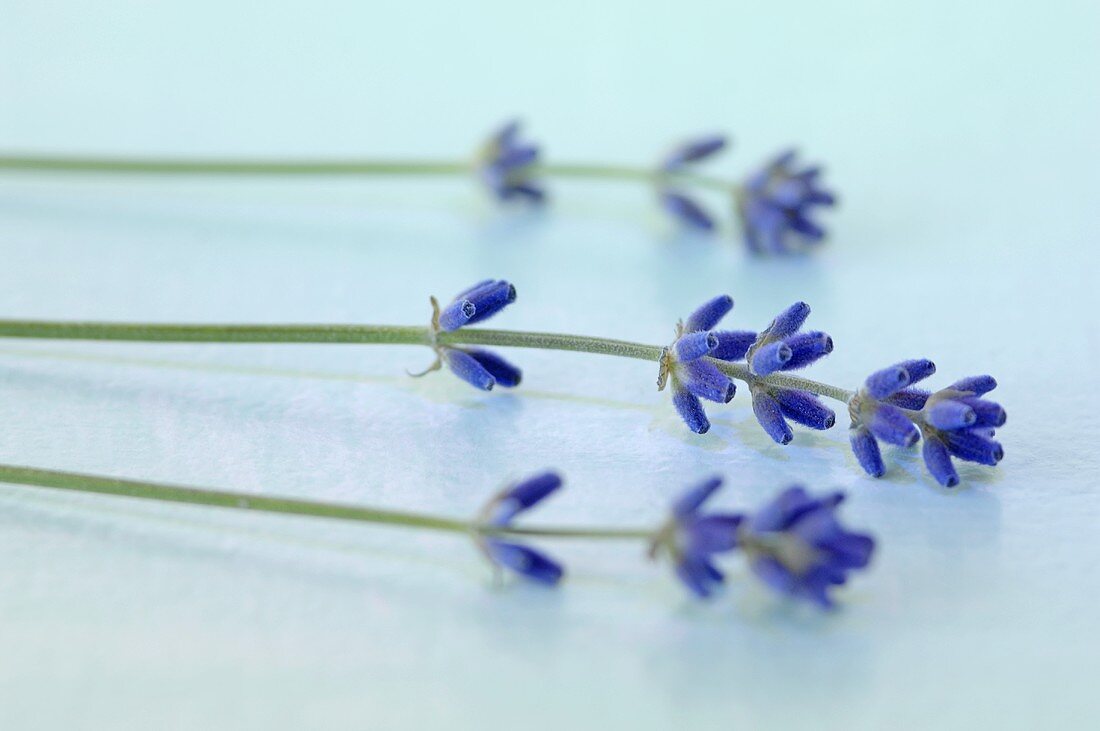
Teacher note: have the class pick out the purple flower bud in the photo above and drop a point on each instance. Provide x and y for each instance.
(770, 417)
(693, 151)
(807, 348)
(887, 382)
(478, 303)
(686, 210)
(789, 321)
(918, 369)
(490, 299)
(910, 398)
(704, 380)
(709, 314)
(938, 462)
(733, 344)
(804, 408)
(866, 450)
(977, 385)
(988, 413)
(770, 358)
(466, 367)
(525, 561)
(690, 410)
(504, 373)
(950, 414)
(694, 345)
(522, 496)
(891, 425)
(973, 447)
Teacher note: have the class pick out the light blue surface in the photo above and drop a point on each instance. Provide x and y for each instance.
(963, 140)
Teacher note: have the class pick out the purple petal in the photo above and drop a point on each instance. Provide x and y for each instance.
(691, 411)
(707, 316)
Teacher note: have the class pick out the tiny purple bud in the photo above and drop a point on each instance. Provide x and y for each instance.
(866, 450)
(733, 344)
(694, 345)
(770, 358)
(709, 313)
(938, 462)
(770, 417)
(691, 411)
(950, 414)
(887, 382)
(891, 425)
(804, 408)
(977, 385)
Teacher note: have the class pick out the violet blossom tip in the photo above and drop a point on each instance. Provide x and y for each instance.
(798, 547)
(686, 210)
(709, 314)
(506, 165)
(866, 451)
(770, 416)
(776, 204)
(693, 538)
(692, 151)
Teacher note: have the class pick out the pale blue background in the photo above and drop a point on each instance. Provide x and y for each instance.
(962, 137)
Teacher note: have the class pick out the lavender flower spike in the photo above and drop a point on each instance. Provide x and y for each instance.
(500, 512)
(685, 363)
(775, 206)
(479, 367)
(506, 165)
(782, 347)
(691, 539)
(677, 203)
(954, 421)
(796, 545)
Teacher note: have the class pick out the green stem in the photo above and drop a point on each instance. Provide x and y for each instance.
(332, 167)
(100, 485)
(382, 335)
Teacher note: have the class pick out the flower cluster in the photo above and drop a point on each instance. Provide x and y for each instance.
(954, 421)
(673, 199)
(506, 164)
(775, 206)
(499, 513)
(783, 347)
(479, 367)
(794, 543)
(689, 364)
(686, 362)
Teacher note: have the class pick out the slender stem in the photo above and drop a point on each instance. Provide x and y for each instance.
(100, 485)
(552, 341)
(334, 167)
(234, 166)
(381, 335)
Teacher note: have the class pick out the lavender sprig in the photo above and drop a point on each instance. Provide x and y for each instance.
(701, 363)
(772, 203)
(795, 544)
